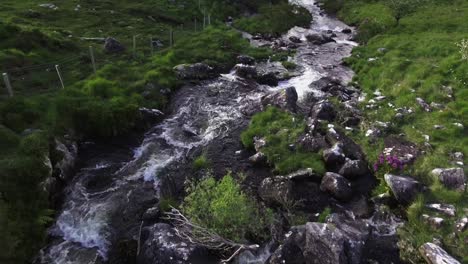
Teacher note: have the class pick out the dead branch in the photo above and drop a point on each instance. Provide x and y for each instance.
(186, 229)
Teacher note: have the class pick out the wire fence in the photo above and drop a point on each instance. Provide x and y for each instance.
(59, 74)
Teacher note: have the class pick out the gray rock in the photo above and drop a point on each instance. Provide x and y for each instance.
(350, 148)
(68, 150)
(304, 174)
(404, 189)
(461, 225)
(152, 214)
(295, 39)
(433, 254)
(312, 143)
(163, 246)
(111, 45)
(434, 221)
(245, 59)
(258, 159)
(425, 106)
(323, 110)
(268, 78)
(336, 185)
(446, 209)
(283, 99)
(246, 71)
(452, 178)
(353, 169)
(319, 39)
(197, 71)
(259, 143)
(276, 190)
(324, 244)
(334, 156)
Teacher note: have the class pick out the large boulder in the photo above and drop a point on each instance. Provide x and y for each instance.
(353, 169)
(350, 148)
(433, 254)
(404, 189)
(323, 110)
(246, 71)
(334, 156)
(319, 39)
(161, 245)
(268, 78)
(336, 185)
(111, 45)
(285, 99)
(197, 71)
(452, 178)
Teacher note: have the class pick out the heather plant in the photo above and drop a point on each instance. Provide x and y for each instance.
(386, 164)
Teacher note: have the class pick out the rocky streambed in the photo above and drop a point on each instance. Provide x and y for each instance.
(110, 212)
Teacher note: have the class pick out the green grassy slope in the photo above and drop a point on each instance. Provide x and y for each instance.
(417, 57)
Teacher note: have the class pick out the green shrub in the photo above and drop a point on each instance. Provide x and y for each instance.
(281, 130)
(201, 162)
(222, 207)
(289, 65)
(324, 214)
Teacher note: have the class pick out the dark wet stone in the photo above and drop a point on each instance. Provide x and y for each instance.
(246, 71)
(269, 79)
(336, 185)
(245, 59)
(334, 156)
(404, 189)
(353, 169)
(295, 39)
(276, 190)
(323, 110)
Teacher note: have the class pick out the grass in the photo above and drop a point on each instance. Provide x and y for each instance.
(201, 162)
(281, 131)
(415, 58)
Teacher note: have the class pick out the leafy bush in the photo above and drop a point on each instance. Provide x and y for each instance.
(281, 130)
(201, 162)
(222, 207)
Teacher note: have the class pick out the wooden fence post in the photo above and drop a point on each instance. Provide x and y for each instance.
(8, 84)
(60, 76)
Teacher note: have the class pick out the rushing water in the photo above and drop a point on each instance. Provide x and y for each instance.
(101, 191)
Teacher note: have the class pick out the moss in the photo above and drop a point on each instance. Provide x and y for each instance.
(201, 162)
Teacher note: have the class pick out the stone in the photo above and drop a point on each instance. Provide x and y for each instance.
(350, 148)
(353, 169)
(346, 31)
(276, 190)
(446, 209)
(295, 39)
(303, 174)
(196, 71)
(68, 151)
(268, 78)
(162, 246)
(425, 106)
(245, 71)
(334, 156)
(336, 185)
(319, 39)
(404, 189)
(452, 178)
(433, 221)
(461, 225)
(324, 244)
(284, 99)
(434, 254)
(312, 143)
(323, 110)
(245, 59)
(152, 214)
(111, 45)
(259, 143)
(258, 159)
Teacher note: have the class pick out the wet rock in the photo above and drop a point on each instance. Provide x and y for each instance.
(68, 151)
(334, 156)
(404, 189)
(269, 79)
(246, 71)
(197, 71)
(245, 59)
(189, 131)
(284, 99)
(324, 243)
(151, 116)
(325, 84)
(161, 245)
(275, 68)
(295, 39)
(353, 169)
(446, 209)
(276, 190)
(323, 110)
(434, 254)
(452, 178)
(111, 45)
(319, 39)
(258, 159)
(347, 31)
(336, 185)
(152, 214)
(352, 121)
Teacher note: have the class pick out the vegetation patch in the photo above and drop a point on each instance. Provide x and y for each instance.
(281, 131)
